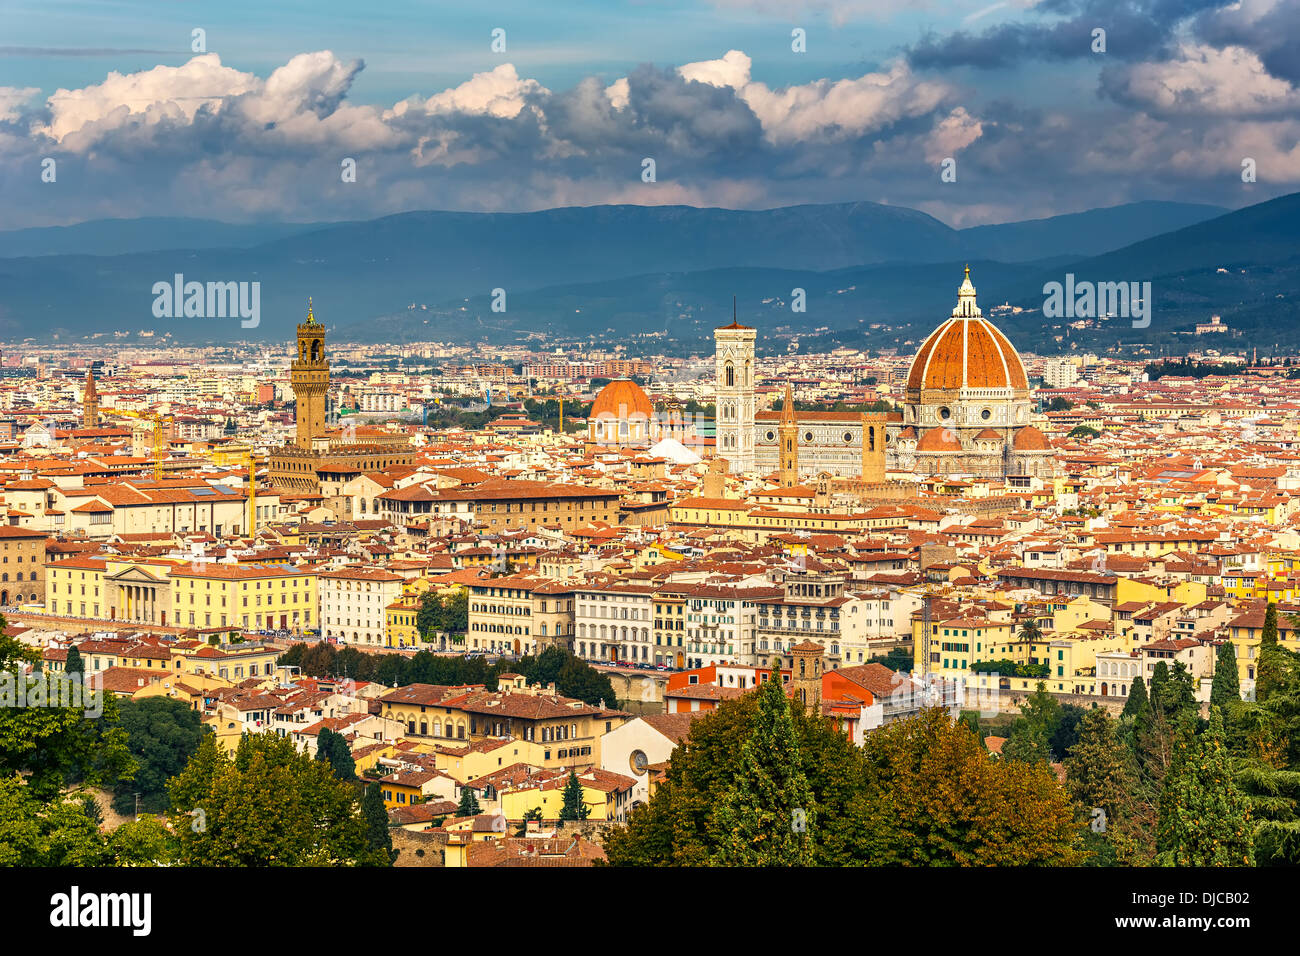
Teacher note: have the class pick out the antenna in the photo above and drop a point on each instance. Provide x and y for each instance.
(733, 309)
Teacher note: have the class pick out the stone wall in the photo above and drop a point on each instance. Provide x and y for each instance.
(418, 847)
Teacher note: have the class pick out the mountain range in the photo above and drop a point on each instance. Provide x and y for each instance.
(872, 274)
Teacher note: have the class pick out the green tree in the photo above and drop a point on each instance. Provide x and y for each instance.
(534, 814)
(768, 808)
(468, 806)
(1204, 817)
(54, 746)
(73, 664)
(574, 807)
(146, 842)
(1083, 431)
(933, 797)
(1102, 775)
(1030, 631)
(265, 805)
(57, 832)
(1226, 687)
(1276, 664)
(333, 749)
(680, 824)
(161, 735)
(378, 838)
(1030, 735)
(1137, 703)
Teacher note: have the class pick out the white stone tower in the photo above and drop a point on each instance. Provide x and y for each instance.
(734, 393)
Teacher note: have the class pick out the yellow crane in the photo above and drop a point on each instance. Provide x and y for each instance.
(159, 439)
(252, 496)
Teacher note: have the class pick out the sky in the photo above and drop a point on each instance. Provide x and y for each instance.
(264, 116)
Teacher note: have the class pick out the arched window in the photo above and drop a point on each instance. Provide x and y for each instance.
(729, 375)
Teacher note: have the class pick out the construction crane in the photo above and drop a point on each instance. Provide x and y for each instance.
(158, 436)
(252, 496)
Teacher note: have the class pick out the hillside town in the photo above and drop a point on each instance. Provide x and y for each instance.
(961, 528)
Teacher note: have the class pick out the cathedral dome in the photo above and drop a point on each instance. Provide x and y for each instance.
(939, 439)
(967, 351)
(1030, 438)
(622, 399)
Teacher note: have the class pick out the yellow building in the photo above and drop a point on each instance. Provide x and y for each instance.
(247, 597)
(604, 793)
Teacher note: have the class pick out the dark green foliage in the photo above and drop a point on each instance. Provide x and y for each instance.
(331, 748)
(1226, 687)
(573, 677)
(767, 809)
(74, 664)
(574, 808)
(1102, 775)
(267, 805)
(534, 814)
(378, 839)
(923, 791)
(1137, 703)
(448, 613)
(161, 734)
(468, 806)
(897, 660)
(1204, 817)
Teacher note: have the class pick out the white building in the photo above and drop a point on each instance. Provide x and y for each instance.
(614, 623)
(353, 604)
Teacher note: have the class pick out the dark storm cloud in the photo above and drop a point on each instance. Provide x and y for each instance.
(1274, 35)
(1135, 30)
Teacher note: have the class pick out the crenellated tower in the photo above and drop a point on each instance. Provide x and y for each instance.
(309, 376)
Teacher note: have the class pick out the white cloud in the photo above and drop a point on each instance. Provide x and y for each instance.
(1203, 79)
(12, 97)
(617, 92)
(824, 109)
(165, 93)
(951, 134)
(499, 93)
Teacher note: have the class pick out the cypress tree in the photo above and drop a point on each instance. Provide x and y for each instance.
(1204, 817)
(378, 839)
(1269, 674)
(575, 808)
(767, 809)
(1226, 687)
(74, 664)
(1137, 701)
(468, 806)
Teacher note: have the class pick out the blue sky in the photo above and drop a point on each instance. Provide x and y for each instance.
(1036, 122)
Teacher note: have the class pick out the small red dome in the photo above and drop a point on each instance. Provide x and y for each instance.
(622, 398)
(939, 439)
(1030, 438)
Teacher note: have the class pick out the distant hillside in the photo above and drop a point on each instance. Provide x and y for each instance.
(114, 237)
(1257, 292)
(359, 272)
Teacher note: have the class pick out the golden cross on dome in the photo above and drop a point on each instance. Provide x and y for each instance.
(311, 318)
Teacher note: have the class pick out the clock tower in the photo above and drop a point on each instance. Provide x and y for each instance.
(309, 376)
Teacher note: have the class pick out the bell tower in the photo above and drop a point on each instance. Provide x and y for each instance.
(90, 401)
(806, 676)
(734, 393)
(873, 446)
(309, 376)
(788, 434)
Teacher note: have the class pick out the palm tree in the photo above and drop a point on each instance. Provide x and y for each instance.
(1030, 631)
